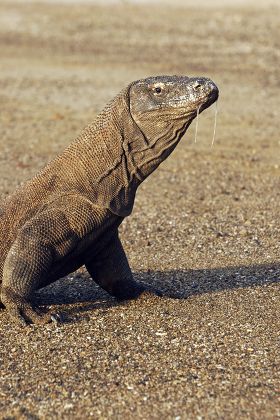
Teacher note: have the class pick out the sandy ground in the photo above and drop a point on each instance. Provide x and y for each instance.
(205, 228)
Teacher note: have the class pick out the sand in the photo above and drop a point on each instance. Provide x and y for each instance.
(205, 227)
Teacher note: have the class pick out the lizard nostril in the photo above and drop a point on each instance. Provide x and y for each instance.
(197, 86)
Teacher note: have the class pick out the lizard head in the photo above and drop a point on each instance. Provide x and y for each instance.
(163, 107)
(171, 98)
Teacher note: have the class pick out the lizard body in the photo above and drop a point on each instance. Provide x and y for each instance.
(68, 215)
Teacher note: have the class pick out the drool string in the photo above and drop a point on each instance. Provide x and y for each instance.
(215, 124)
(196, 125)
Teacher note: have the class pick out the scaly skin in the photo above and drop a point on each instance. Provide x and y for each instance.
(68, 215)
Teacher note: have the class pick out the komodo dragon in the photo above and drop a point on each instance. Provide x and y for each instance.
(68, 215)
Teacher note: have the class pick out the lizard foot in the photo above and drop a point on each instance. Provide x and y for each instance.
(137, 291)
(26, 314)
(22, 312)
(127, 291)
(150, 293)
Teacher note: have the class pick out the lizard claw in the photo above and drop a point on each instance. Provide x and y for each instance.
(56, 318)
(21, 310)
(149, 291)
(150, 294)
(25, 314)
(17, 317)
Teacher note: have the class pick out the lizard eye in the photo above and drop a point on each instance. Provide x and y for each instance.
(158, 89)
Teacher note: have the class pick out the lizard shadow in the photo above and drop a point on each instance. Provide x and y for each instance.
(79, 294)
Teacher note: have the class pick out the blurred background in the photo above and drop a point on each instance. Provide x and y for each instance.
(61, 61)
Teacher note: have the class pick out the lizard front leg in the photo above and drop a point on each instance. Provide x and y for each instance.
(110, 270)
(41, 245)
(26, 264)
(42, 241)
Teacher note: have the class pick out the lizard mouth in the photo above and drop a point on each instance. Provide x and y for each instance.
(212, 97)
(203, 94)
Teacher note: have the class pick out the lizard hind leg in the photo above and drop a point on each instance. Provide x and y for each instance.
(110, 270)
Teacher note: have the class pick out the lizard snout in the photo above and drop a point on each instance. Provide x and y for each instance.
(214, 91)
(206, 90)
(204, 85)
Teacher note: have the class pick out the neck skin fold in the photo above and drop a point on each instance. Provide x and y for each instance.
(156, 140)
